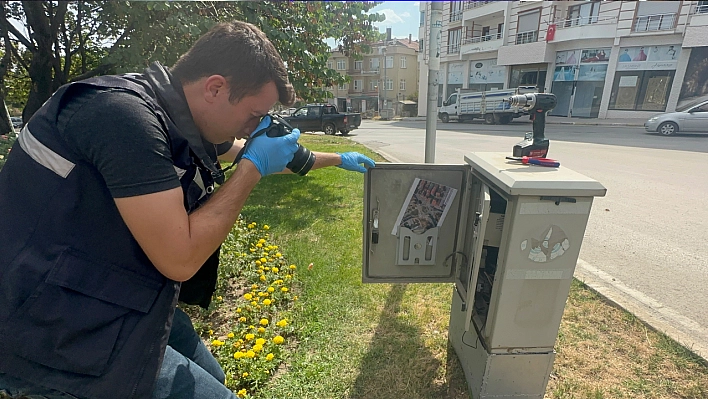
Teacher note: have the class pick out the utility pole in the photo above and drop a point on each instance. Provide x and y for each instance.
(385, 81)
(434, 42)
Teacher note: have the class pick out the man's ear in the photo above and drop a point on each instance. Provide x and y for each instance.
(215, 86)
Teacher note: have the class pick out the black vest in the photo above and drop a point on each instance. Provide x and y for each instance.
(82, 308)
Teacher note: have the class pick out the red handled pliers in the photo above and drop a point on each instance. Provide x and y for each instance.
(536, 161)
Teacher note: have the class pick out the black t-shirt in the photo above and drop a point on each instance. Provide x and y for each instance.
(119, 133)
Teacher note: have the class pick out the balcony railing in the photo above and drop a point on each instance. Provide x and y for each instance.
(485, 38)
(701, 9)
(527, 37)
(470, 4)
(453, 48)
(456, 16)
(651, 23)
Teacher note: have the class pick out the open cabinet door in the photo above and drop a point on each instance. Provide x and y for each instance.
(412, 222)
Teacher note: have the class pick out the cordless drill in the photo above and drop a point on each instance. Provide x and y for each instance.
(536, 104)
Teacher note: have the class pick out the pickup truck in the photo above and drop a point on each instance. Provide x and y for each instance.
(323, 118)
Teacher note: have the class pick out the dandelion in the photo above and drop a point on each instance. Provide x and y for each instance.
(282, 323)
(238, 355)
(263, 278)
(248, 297)
(242, 393)
(274, 269)
(295, 298)
(258, 263)
(230, 335)
(261, 330)
(284, 289)
(278, 255)
(278, 340)
(266, 227)
(250, 336)
(259, 245)
(253, 250)
(211, 332)
(250, 354)
(242, 319)
(266, 302)
(254, 303)
(254, 287)
(269, 357)
(257, 348)
(260, 341)
(293, 267)
(264, 260)
(238, 310)
(264, 322)
(217, 343)
(219, 298)
(244, 375)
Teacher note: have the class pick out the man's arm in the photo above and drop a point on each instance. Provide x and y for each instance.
(178, 244)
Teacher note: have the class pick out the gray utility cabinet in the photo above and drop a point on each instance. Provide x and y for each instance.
(507, 235)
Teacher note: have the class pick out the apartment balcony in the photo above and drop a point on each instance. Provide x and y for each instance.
(527, 37)
(479, 9)
(363, 72)
(655, 23)
(481, 44)
(699, 17)
(584, 28)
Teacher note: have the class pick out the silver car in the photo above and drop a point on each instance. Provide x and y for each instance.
(692, 118)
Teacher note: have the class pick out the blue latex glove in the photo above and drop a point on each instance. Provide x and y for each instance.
(351, 161)
(270, 154)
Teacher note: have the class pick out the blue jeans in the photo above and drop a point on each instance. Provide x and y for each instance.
(188, 371)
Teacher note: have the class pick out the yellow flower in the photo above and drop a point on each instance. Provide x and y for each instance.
(216, 342)
(250, 354)
(257, 348)
(284, 289)
(230, 335)
(264, 260)
(253, 250)
(219, 298)
(238, 310)
(259, 245)
(278, 340)
(211, 332)
(264, 322)
(254, 303)
(258, 263)
(293, 267)
(278, 255)
(263, 278)
(295, 298)
(274, 269)
(282, 323)
(238, 355)
(248, 297)
(244, 375)
(271, 289)
(242, 393)
(266, 227)
(260, 341)
(254, 287)
(242, 319)
(288, 276)
(278, 282)
(266, 302)
(270, 356)
(261, 241)
(250, 336)
(261, 330)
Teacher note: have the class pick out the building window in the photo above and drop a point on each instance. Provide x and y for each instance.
(330, 65)
(455, 11)
(641, 90)
(372, 85)
(342, 86)
(341, 65)
(358, 65)
(403, 62)
(402, 85)
(389, 84)
(702, 7)
(527, 31)
(656, 16)
(583, 14)
(454, 37)
(422, 18)
(357, 85)
(389, 62)
(528, 75)
(374, 64)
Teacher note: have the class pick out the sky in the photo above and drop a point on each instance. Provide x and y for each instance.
(403, 17)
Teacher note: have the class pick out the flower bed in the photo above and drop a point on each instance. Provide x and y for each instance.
(247, 326)
(6, 141)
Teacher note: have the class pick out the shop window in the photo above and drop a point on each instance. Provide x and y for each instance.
(641, 90)
(528, 76)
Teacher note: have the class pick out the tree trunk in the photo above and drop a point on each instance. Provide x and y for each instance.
(41, 67)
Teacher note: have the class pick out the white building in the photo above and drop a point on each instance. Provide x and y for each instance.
(602, 59)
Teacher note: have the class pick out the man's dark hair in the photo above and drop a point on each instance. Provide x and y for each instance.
(241, 53)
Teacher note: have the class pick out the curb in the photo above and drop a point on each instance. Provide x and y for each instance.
(625, 124)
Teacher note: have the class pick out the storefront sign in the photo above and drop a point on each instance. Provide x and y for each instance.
(486, 71)
(648, 58)
(628, 81)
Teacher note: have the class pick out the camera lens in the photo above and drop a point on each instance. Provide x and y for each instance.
(302, 162)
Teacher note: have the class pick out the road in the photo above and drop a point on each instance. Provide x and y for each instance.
(645, 244)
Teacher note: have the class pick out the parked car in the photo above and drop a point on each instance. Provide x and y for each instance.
(692, 118)
(16, 122)
(323, 118)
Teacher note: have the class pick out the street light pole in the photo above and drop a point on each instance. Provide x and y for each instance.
(385, 99)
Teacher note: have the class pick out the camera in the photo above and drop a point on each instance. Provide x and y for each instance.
(304, 159)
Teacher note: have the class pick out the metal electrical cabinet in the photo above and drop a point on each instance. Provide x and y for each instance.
(507, 235)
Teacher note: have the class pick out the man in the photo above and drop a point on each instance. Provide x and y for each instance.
(104, 209)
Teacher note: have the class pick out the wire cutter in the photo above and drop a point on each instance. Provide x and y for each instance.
(536, 161)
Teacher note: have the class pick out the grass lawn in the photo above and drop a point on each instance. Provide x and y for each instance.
(389, 341)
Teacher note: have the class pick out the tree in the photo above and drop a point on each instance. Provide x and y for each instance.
(68, 41)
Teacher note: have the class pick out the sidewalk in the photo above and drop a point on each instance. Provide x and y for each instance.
(560, 120)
